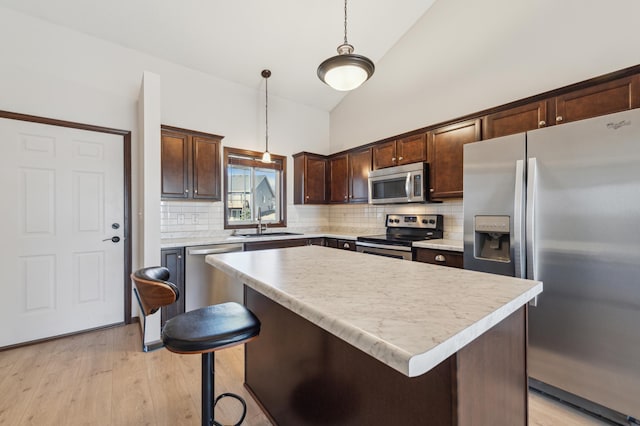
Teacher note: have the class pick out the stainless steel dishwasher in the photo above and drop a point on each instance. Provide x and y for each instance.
(206, 285)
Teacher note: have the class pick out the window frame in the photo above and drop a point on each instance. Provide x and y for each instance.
(245, 157)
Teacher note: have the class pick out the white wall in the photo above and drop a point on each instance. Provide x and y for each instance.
(50, 71)
(464, 56)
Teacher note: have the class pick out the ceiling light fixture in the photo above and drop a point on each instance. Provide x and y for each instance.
(346, 71)
(266, 157)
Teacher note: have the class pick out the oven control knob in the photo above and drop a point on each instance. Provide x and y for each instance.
(432, 221)
(396, 220)
(425, 221)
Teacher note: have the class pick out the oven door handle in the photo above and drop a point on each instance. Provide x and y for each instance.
(382, 246)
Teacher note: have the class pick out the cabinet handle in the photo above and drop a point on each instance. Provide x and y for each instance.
(393, 158)
(542, 123)
(431, 190)
(400, 158)
(440, 258)
(307, 197)
(346, 197)
(186, 191)
(559, 119)
(346, 245)
(195, 191)
(179, 257)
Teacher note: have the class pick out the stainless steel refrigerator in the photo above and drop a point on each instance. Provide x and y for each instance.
(562, 205)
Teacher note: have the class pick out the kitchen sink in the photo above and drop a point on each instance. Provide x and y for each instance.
(269, 234)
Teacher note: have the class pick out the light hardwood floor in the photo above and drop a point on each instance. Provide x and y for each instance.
(104, 378)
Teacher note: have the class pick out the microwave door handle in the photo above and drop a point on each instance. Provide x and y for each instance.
(407, 187)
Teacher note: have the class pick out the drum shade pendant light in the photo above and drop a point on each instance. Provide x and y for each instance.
(346, 71)
(266, 157)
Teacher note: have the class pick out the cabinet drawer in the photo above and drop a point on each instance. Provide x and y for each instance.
(438, 257)
(347, 245)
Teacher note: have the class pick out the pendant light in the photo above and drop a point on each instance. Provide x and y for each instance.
(266, 157)
(346, 71)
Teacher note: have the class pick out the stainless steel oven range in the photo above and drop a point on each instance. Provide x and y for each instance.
(402, 231)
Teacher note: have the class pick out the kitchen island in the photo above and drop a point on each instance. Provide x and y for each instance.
(351, 338)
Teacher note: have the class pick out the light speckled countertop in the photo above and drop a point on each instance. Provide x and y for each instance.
(408, 315)
(451, 245)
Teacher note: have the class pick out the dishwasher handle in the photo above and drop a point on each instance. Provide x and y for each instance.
(221, 248)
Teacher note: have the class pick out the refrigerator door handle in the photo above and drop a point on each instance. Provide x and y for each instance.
(532, 184)
(518, 205)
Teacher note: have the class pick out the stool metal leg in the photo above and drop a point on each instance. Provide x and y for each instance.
(208, 362)
(209, 400)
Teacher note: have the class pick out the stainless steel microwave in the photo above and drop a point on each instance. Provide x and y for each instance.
(400, 184)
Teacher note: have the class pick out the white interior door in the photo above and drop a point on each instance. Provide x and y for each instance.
(63, 195)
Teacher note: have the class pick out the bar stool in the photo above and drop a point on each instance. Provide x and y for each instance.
(201, 331)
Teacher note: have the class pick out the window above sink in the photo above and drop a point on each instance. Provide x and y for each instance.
(252, 187)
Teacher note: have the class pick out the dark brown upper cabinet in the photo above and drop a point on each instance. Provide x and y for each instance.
(606, 98)
(516, 120)
(411, 149)
(445, 157)
(339, 177)
(190, 164)
(349, 176)
(310, 178)
(359, 168)
(346, 174)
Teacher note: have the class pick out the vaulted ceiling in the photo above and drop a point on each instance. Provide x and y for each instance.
(235, 40)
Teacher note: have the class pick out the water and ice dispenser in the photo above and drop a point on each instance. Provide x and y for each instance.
(492, 238)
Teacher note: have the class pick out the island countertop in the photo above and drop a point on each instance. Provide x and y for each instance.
(408, 315)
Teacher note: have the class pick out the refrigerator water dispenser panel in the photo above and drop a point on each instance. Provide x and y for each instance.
(492, 238)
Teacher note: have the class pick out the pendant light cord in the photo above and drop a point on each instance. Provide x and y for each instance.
(266, 113)
(345, 22)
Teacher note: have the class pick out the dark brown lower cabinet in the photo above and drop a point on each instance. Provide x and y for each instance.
(303, 375)
(274, 244)
(341, 244)
(439, 257)
(173, 259)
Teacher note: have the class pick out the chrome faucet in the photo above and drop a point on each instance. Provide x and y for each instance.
(261, 227)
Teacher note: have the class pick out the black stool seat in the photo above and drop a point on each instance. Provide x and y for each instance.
(210, 328)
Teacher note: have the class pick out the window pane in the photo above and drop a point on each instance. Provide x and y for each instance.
(239, 197)
(266, 195)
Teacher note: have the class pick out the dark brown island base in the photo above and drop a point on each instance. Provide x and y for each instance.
(344, 352)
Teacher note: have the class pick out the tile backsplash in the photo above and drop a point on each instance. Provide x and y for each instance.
(181, 219)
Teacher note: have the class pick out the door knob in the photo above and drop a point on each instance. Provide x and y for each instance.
(113, 239)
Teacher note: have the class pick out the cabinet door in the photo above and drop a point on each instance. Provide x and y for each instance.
(445, 157)
(339, 168)
(310, 174)
(173, 259)
(174, 158)
(515, 120)
(606, 98)
(316, 180)
(412, 149)
(359, 168)
(206, 168)
(384, 155)
(331, 242)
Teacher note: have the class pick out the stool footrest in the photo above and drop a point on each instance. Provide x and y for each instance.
(234, 396)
